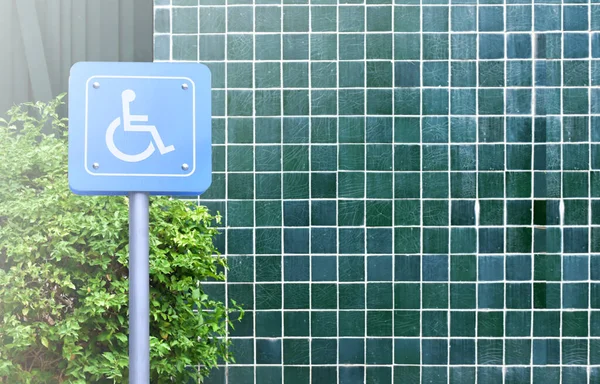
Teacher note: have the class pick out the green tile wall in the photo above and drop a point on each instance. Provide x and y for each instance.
(410, 189)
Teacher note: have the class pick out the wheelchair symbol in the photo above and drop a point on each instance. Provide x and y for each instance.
(127, 97)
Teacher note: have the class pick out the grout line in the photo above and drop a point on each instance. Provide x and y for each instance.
(283, 258)
(433, 282)
(226, 165)
(477, 218)
(561, 203)
(589, 203)
(350, 5)
(450, 202)
(365, 180)
(505, 196)
(421, 229)
(337, 256)
(393, 250)
(254, 179)
(310, 194)
(170, 8)
(534, 50)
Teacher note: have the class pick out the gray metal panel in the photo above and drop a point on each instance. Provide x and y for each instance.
(20, 78)
(34, 50)
(52, 42)
(143, 30)
(110, 27)
(127, 40)
(78, 30)
(65, 40)
(6, 66)
(60, 33)
(94, 26)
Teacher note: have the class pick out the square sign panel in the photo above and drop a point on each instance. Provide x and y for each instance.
(139, 127)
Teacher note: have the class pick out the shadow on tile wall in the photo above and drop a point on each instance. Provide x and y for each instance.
(411, 190)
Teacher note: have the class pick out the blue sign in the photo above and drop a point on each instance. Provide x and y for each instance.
(139, 127)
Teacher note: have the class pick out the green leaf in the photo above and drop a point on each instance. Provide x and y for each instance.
(121, 337)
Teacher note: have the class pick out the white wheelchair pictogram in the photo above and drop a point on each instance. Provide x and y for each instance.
(127, 97)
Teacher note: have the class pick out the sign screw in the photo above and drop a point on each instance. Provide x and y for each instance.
(184, 87)
(96, 85)
(96, 165)
(185, 167)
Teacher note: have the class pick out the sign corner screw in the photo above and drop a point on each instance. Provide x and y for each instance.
(184, 86)
(96, 85)
(96, 165)
(185, 167)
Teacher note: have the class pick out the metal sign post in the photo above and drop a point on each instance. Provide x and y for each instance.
(139, 129)
(139, 289)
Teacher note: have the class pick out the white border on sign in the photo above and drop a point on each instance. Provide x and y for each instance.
(85, 152)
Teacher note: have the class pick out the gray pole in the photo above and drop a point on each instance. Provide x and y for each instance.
(139, 289)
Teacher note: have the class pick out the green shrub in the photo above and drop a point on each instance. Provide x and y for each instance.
(63, 271)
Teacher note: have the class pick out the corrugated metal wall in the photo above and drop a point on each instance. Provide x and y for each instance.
(41, 39)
